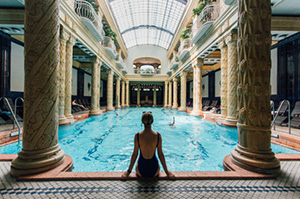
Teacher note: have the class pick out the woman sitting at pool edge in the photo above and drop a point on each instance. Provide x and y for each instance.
(147, 141)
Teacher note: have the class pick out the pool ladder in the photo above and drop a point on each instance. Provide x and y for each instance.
(13, 113)
(289, 113)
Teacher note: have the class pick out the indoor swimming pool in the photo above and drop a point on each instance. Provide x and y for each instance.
(105, 142)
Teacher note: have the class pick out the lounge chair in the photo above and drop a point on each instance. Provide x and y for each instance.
(205, 103)
(214, 103)
(281, 118)
(295, 121)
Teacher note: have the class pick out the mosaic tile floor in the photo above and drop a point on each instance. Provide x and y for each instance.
(287, 185)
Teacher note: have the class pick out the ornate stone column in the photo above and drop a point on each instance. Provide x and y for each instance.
(40, 151)
(175, 87)
(123, 94)
(98, 84)
(223, 47)
(166, 94)
(127, 93)
(183, 91)
(110, 88)
(95, 79)
(253, 151)
(154, 95)
(138, 96)
(63, 39)
(231, 41)
(197, 86)
(118, 92)
(170, 94)
(68, 83)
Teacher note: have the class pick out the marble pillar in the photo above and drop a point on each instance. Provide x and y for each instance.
(175, 87)
(99, 84)
(231, 42)
(253, 151)
(127, 93)
(138, 96)
(197, 88)
(95, 79)
(223, 48)
(118, 90)
(182, 91)
(110, 81)
(166, 94)
(68, 82)
(154, 95)
(123, 94)
(62, 65)
(40, 151)
(170, 94)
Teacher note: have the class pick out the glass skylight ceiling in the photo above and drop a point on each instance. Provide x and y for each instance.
(147, 21)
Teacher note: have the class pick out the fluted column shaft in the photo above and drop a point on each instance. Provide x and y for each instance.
(183, 91)
(166, 94)
(127, 93)
(98, 84)
(154, 95)
(231, 41)
(253, 150)
(68, 82)
(138, 95)
(95, 79)
(175, 103)
(123, 93)
(224, 73)
(110, 88)
(63, 39)
(40, 151)
(197, 82)
(118, 92)
(170, 94)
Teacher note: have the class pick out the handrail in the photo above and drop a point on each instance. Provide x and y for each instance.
(12, 113)
(289, 115)
(272, 108)
(15, 108)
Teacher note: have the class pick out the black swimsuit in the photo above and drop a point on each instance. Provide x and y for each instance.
(147, 167)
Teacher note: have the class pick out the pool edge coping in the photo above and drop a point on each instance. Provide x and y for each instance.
(62, 172)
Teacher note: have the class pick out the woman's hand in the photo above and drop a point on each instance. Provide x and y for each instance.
(125, 174)
(170, 175)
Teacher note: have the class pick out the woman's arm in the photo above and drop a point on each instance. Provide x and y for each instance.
(162, 158)
(133, 157)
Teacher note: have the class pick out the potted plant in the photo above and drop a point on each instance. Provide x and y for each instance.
(176, 59)
(185, 33)
(110, 33)
(95, 6)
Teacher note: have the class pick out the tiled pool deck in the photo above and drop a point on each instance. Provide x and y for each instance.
(287, 185)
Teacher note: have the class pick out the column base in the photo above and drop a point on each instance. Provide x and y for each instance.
(182, 108)
(263, 162)
(110, 108)
(230, 121)
(174, 107)
(70, 117)
(95, 112)
(33, 162)
(196, 112)
(118, 107)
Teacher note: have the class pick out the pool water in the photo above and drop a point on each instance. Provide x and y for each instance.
(105, 142)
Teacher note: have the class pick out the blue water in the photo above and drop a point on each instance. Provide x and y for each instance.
(105, 142)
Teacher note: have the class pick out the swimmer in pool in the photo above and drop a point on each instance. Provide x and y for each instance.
(146, 142)
(172, 124)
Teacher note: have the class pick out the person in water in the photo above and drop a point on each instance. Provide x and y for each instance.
(172, 124)
(147, 141)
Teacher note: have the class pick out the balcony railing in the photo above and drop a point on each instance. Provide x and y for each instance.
(110, 47)
(204, 21)
(147, 72)
(184, 48)
(90, 18)
(120, 62)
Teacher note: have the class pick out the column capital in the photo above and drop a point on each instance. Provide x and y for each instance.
(71, 40)
(183, 73)
(175, 79)
(222, 44)
(232, 37)
(63, 33)
(95, 60)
